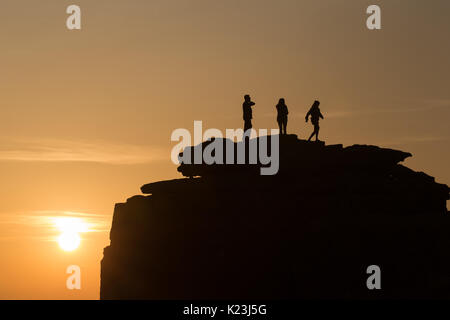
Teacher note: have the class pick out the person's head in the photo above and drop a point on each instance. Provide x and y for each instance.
(247, 97)
(316, 104)
(281, 101)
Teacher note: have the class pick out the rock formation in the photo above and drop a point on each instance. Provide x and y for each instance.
(310, 231)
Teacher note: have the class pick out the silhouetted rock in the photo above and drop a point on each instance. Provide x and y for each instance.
(310, 231)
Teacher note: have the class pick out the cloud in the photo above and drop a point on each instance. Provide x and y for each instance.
(77, 151)
(42, 225)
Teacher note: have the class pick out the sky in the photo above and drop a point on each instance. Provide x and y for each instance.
(86, 115)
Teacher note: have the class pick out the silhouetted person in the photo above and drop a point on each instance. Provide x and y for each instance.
(247, 109)
(282, 116)
(315, 114)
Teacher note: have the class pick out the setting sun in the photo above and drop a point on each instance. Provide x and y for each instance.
(69, 241)
(70, 228)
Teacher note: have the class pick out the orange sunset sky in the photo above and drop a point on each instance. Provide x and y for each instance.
(86, 115)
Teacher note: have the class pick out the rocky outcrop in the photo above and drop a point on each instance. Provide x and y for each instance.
(310, 231)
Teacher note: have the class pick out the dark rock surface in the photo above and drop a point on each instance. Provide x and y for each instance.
(310, 231)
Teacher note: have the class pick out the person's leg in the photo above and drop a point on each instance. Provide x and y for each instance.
(312, 135)
(247, 125)
(280, 126)
(285, 126)
(316, 130)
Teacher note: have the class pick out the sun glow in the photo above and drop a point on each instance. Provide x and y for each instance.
(69, 241)
(70, 228)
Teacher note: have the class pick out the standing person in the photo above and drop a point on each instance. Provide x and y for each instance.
(282, 115)
(315, 114)
(247, 109)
